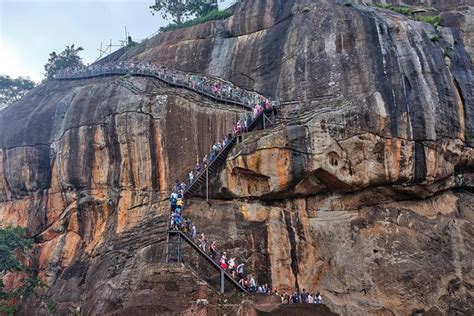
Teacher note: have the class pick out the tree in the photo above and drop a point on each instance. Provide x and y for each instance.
(201, 8)
(13, 244)
(12, 90)
(179, 10)
(67, 58)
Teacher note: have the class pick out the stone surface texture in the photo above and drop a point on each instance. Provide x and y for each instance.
(363, 191)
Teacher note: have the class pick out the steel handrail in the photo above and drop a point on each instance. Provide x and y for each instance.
(157, 76)
(202, 252)
(230, 143)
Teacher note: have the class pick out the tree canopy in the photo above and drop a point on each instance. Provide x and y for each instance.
(69, 57)
(12, 90)
(180, 10)
(13, 243)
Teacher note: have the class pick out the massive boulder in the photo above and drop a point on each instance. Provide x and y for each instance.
(362, 190)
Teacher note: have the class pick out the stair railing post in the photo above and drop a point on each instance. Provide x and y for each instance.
(179, 247)
(207, 183)
(222, 281)
(167, 248)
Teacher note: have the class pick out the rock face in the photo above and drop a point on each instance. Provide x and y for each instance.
(363, 191)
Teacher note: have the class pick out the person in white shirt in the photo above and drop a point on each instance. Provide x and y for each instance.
(318, 299)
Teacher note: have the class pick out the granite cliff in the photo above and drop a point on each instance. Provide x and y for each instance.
(363, 190)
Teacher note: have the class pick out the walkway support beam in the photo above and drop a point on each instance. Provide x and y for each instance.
(222, 282)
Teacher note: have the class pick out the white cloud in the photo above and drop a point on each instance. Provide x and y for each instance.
(12, 62)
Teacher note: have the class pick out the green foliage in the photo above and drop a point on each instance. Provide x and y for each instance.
(203, 7)
(213, 15)
(13, 242)
(51, 305)
(12, 239)
(348, 3)
(434, 20)
(467, 135)
(436, 37)
(12, 90)
(399, 9)
(132, 44)
(69, 57)
(180, 10)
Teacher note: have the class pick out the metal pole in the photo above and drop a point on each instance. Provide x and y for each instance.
(207, 183)
(179, 247)
(222, 281)
(167, 247)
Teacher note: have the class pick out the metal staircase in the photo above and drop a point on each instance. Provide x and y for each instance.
(173, 254)
(266, 118)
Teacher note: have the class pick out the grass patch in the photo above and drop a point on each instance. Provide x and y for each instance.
(436, 37)
(467, 135)
(211, 16)
(132, 44)
(434, 20)
(399, 9)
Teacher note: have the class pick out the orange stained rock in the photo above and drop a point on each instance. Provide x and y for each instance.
(73, 225)
(56, 206)
(55, 187)
(307, 250)
(123, 212)
(15, 213)
(254, 213)
(128, 214)
(460, 107)
(140, 162)
(160, 157)
(279, 251)
(100, 224)
(47, 250)
(431, 161)
(13, 280)
(444, 203)
(71, 244)
(392, 158)
(101, 160)
(282, 163)
(375, 230)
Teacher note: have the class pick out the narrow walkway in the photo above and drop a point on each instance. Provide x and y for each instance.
(211, 87)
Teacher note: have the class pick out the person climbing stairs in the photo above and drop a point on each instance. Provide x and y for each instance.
(174, 241)
(265, 118)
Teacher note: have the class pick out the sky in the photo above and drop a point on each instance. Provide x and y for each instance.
(31, 29)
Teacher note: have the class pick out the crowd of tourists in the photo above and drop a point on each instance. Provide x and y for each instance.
(300, 298)
(208, 85)
(240, 127)
(230, 264)
(235, 267)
